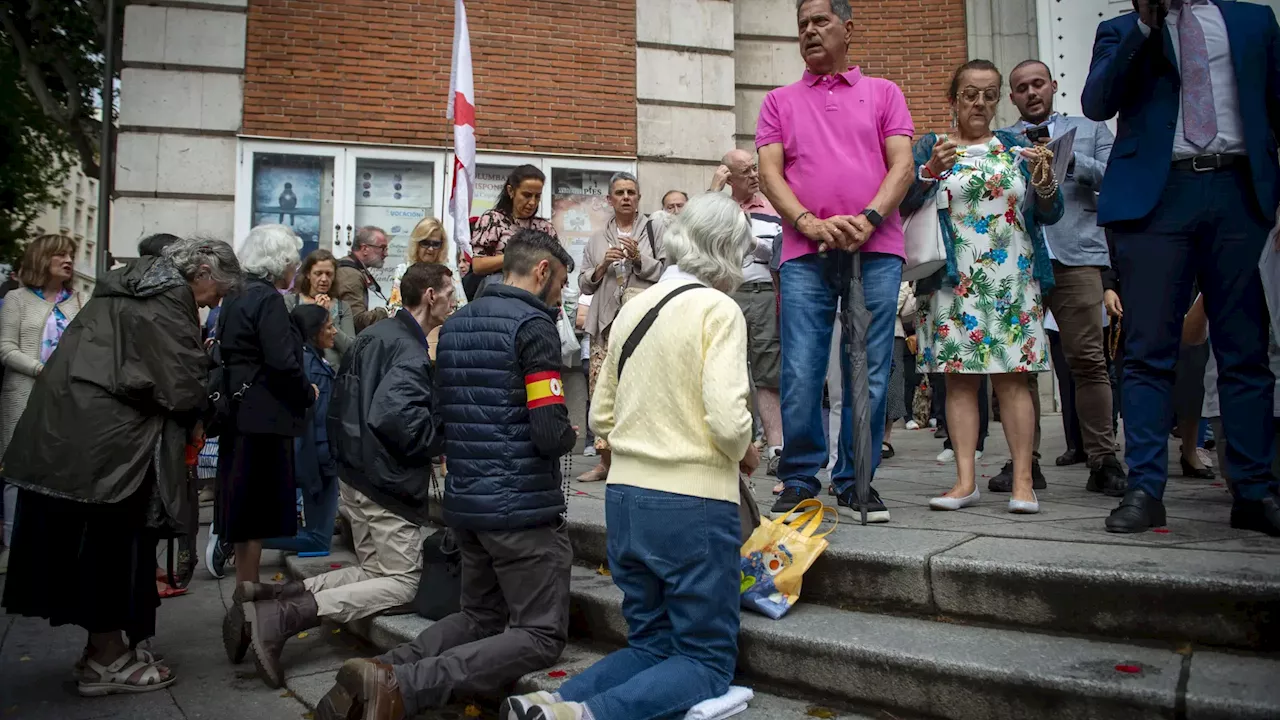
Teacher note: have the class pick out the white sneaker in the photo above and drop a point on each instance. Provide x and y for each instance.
(977, 455)
(590, 451)
(933, 422)
(954, 503)
(947, 455)
(913, 425)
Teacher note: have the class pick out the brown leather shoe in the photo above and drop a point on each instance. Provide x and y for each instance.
(599, 473)
(271, 623)
(374, 693)
(251, 591)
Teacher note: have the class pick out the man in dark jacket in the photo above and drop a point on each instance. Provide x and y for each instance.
(506, 427)
(384, 431)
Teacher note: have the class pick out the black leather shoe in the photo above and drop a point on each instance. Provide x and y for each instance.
(1003, 482)
(1190, 471)
(1258, 515)
(1070, 457)
(1108, 478)
(1138, 512)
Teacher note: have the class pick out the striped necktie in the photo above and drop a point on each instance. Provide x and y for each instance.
(1199, 118)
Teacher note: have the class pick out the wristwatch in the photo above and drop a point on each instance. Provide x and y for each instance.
(874, 217)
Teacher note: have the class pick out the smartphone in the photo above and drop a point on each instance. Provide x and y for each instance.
(1038, 133)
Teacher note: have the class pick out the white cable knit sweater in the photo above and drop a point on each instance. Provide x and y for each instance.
(22, 319)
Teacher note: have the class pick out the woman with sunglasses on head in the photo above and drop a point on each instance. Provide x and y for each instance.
(983, 314)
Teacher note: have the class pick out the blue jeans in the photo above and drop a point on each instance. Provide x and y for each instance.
(320, 514)
(676, 560)
(811, 287)
(1206, 230)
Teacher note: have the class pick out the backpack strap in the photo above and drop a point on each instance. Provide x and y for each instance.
(648, 230)
(633, 340)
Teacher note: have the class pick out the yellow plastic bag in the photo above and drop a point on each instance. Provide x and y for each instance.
(776, 556)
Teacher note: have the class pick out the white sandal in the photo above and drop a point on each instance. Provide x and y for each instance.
(82, 664)
(116, 677)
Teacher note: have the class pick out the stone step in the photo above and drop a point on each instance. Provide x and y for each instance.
(939, 669)
(387, 632)
(1114, 590)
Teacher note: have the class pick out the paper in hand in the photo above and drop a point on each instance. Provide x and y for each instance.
(1062, 146)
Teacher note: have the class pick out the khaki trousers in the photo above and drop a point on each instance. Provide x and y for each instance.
(388, 563)
(1076, 303)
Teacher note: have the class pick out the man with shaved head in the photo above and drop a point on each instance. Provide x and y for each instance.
(758, 297)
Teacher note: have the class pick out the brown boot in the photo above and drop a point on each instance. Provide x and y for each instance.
(371, 690)
(251, 591)
(235, 636)
(271, 623)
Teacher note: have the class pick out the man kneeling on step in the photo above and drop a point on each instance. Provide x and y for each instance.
(506, 427)
(384, 430)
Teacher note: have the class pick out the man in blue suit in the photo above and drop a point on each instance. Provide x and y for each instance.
(1189, 195)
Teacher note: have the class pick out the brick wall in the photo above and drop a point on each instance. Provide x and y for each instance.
(917, 44)
(551, 76)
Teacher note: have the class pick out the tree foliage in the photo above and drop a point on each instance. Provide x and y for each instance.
(50, 74)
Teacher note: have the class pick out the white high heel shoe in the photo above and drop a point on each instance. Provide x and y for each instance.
(954, 503)
(1025, 507)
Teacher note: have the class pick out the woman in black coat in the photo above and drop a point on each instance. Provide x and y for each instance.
(261, 349)
(99, 455)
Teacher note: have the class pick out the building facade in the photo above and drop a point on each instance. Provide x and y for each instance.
(74, 213)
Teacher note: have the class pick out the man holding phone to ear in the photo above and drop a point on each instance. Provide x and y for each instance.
(1189, 196)
(1078, 249)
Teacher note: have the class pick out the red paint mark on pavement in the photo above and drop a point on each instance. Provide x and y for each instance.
(1162, 531)
(335, 566)
(557, 674)
(1129, 668)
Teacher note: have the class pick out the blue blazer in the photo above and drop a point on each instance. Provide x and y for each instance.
(1137, 77)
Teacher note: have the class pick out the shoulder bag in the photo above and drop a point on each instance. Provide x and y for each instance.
(926, 248)
(748, 510)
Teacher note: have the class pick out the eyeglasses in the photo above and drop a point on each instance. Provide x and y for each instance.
(431, 244)
(989, 96)
(381, 248)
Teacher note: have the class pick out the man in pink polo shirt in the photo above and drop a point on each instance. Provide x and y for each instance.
(835, 161)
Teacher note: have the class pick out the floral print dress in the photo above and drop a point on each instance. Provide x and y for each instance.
(993, 321)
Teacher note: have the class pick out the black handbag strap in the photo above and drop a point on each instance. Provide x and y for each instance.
(633, 340)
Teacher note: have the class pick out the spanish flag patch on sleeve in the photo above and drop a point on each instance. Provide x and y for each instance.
(544, 388)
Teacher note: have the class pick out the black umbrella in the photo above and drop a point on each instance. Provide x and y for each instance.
(855, 320)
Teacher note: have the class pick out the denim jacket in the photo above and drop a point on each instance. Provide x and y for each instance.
(1033, 218)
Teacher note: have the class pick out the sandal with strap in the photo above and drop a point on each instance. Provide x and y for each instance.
(118, 677)
(82, 664)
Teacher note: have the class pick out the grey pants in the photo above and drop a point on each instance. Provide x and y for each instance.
(514, 619)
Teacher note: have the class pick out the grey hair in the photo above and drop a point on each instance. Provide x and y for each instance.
(709, 240)
(619, 177)
(839, 8)
(269, 251)
(197, 251)
(364, 236)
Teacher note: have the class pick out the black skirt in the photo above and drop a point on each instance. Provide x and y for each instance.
(256, 496)
(84, 564)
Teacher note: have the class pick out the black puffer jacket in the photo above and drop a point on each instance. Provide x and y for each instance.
(383, 426)
(129, 370)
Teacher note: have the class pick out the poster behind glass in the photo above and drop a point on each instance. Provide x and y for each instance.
(490, 181)
(579, 207)
(295, 190)
(393, 196)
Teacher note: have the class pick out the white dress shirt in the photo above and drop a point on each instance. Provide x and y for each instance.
(1226, 94)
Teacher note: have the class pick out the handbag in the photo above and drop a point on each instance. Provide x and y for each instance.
(570, 347)
(776, 556)
(926, 249)
(440, 585)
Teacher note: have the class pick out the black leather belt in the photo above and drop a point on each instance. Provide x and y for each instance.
(758, 286)
(1210, 163)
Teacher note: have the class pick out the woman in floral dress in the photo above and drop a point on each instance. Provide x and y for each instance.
(984, 314)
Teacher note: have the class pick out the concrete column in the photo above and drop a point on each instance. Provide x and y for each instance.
(766, 57)
(1004, 32)
(684, 94)
(181, 97)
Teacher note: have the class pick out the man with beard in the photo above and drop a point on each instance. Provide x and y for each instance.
(1078, 249)
(506, 426)
(354, 281)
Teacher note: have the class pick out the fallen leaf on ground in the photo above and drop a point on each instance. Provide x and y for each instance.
(471, 711)
(337, 630)
(24, 658)
(278, 577)
(820, 712)
(303, 634)
(602, 570)
(308, 716)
